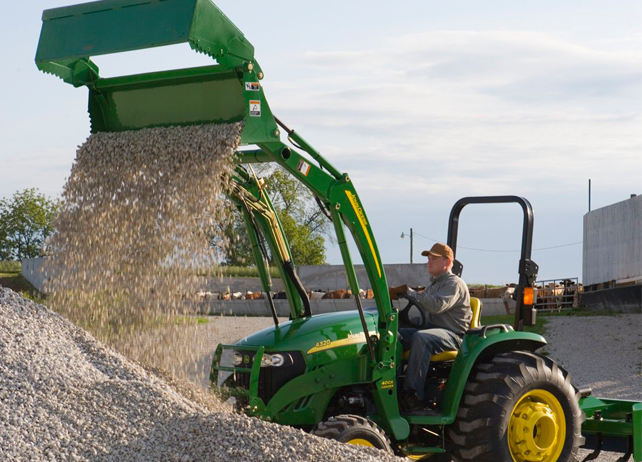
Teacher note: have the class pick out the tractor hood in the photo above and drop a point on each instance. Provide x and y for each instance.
(331, 335)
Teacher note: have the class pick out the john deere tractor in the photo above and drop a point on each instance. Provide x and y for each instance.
(337, 375)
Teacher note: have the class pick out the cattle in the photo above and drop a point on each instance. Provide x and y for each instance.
(279, 296)
(549, 297)
(335, 294)
(316, 294)
(253, 295)
(493, 292)
(366, 294)
(207, 295)
(570, 297)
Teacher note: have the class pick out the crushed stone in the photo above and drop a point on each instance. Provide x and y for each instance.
(65, 396)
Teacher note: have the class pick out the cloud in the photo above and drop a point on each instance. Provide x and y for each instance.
(482, 104)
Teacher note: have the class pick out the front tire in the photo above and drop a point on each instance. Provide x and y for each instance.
(520, 407)
(353, 429)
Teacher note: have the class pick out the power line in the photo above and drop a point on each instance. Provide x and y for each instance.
(498, 250)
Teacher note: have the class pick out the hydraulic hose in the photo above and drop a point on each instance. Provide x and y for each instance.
(289, 269)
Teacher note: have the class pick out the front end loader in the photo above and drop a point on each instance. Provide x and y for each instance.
(336, 375)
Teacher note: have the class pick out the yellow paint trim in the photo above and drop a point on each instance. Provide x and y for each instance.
(364, 223)
(352, 339)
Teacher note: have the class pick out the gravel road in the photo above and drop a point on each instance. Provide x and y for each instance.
(603, 352)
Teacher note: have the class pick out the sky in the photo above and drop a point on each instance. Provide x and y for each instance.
(420, 102)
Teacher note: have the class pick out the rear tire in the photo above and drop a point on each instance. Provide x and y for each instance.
(353, 429)
(520, 407)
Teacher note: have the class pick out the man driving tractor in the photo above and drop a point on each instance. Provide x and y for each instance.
(446, 305)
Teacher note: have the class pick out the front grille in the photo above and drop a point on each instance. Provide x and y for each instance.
(271, 379)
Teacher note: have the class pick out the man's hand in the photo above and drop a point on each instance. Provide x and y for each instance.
(396, 291)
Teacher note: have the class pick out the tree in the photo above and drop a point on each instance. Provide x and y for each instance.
(303, 223)
(26, 220)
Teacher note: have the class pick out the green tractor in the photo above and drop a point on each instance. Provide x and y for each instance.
(336, 375)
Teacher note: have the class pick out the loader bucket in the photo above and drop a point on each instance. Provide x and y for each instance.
(228, 91)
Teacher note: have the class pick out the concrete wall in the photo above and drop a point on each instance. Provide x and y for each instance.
(324, 277)
(613, 243)
(31, 271)
(490, 306)
(240, 285)
(332, 277)
(627, 299)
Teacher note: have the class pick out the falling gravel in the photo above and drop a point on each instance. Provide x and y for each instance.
(66, 396)
(141, 210)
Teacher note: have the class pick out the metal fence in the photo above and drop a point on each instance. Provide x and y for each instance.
(557, 294)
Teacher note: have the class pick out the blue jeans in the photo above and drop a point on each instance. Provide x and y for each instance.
(422, 345)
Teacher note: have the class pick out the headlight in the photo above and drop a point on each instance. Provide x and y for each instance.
(237, 358)
(277, 360)
(266, 360)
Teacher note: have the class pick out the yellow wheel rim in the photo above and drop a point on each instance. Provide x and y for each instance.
(537, 428)
(360, 442)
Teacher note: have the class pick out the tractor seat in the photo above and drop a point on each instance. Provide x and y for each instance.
(476, 306)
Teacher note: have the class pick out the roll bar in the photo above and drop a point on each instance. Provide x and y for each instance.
(525, 314)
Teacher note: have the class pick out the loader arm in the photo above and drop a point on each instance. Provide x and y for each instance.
(261, 220)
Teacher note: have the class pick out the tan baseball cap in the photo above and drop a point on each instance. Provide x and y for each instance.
(440, 250)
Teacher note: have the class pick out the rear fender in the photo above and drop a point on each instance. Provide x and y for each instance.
(478, 345)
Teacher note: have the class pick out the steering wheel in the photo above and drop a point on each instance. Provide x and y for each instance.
(404, 314)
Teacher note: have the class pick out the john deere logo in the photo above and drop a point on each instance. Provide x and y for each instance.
(246, 359)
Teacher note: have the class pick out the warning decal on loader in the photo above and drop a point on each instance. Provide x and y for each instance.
(252, 86)
(255, 108)
(303, 167)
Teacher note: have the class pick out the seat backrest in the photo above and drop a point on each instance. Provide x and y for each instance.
(476, 306)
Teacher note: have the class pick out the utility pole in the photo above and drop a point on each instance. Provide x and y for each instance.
(412, 236)
(589, 194)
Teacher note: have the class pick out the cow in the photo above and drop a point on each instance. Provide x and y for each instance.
(494, 292)
(279, 296)
(550, 297)
(335, 294)
(366, 294)
(316, 294)
(238, 296)
(252, 295)
(571, 295)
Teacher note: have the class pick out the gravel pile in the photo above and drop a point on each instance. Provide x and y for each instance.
(65, 396)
